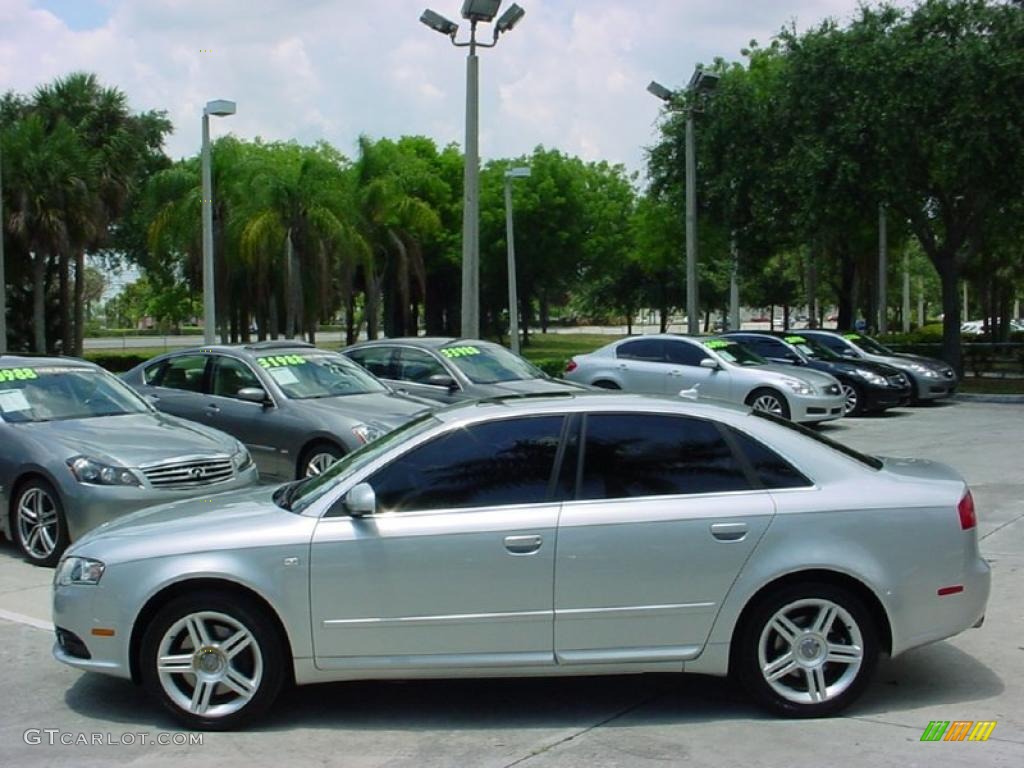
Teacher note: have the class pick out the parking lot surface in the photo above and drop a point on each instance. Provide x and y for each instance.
(613, 721)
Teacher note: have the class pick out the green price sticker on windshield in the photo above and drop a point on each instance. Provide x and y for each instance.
(796, 339)
(17, 374)
(717, 344)
(851, 336)
(451, 352)
(279, 361)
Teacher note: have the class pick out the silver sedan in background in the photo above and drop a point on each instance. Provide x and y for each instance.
(79, 448)
(713, 368)
(537, 535)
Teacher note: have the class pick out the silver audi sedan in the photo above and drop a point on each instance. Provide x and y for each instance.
(716, 368)
(78, 447)
(597, 533)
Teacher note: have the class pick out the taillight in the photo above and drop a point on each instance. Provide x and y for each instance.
(570, 366)
(966, 509)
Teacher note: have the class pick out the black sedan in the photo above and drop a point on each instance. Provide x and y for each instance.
(867, 386)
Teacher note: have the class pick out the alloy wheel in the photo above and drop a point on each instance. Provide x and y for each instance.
(810, 651)
(38, 523)
(850, 399)
(318, 463)
(209, 664)
(768, 403)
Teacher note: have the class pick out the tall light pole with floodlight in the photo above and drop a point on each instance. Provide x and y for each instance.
(513, 300)
(700, 84)
(217, 108)
(474, 11)
(3, 277)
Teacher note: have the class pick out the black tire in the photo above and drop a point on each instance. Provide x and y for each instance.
(311, 452)
(765, 392)
(43, 544)
(604, 384)
(851, 392)
(259, 664)
(852, 629)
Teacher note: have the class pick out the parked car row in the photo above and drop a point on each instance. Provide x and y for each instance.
(808, 376)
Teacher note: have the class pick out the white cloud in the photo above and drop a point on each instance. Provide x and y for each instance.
(572, 74)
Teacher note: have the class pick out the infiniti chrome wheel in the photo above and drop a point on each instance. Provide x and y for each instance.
(810, 651)
(318, 463)
(851, 400)
(769, 403)
(38, 523)
(209, 664)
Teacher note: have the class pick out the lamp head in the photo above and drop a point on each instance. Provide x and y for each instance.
(659, 90)
(480, 10)
(439, 23)
(219, 108)
(509, 18)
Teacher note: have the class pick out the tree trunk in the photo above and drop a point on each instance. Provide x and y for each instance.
(79, 336)
(545, 311)
(949, 276)
(812, 289)
(372, 305)
(785, 316)
(39, 303)
(273, 318)
(629, 322)
(526, 303)
(847, 303)
(350, 320)
(64, 289)
(771, 317)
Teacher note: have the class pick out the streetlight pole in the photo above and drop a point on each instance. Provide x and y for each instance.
(473, 11)
(701, 83)
(220, 108)
(3, 276)
(513, 301)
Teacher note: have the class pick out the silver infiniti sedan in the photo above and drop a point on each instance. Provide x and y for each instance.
(716, 368)
(297, 408)
(78, 448)
(600, 533)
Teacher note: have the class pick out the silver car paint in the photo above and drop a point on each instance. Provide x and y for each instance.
(730, 383)
(472, 608)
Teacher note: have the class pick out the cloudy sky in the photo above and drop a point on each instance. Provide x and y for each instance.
(572, 75)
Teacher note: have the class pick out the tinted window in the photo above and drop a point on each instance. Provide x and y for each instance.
(846, 450)
(231, 375)
(417, 366)
(642, 349)
(681, 353)
(499, 462)
(774, 471)
(152, 373)
(377, 360)
(627, 455)
(184, 372)
(832, 342)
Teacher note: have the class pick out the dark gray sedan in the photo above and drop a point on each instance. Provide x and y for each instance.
(297, 408)
(79, 448)
(452, 370)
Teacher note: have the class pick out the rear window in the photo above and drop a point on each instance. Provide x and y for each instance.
(846, 450)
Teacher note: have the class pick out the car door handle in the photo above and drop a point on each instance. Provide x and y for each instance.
(729, 531)
(675, 372)
(523, 545)
(212, 408)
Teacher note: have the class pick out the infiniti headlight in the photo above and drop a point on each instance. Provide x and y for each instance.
(78, 570)
(367, 433)
(800, 387)
(242, 459)
(924, 370)
(871, 377)
(95, 472)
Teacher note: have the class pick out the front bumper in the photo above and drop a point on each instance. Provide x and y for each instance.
(927, 388)
(88, 506)
(880, 398)
(811, 409)
(77, 611)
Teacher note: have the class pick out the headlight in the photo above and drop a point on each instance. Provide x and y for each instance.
(800, 387)
(924, 370)
(94, 472)
(871, 377)
(78, 570)
(367, 433)
(242, 458)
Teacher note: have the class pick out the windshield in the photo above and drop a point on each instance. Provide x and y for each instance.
(867, 344)
(863, 458)
(58, 393)
(308, 375)
(815, 350)
(734, 352)
(489, 363)
(307, 491)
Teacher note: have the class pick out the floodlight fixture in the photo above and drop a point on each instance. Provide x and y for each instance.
(439, 23)
(480, 10)
(517, 173)
(219, 108)
(659, 90)
(509, 19)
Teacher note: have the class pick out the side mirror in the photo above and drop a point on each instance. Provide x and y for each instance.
(850, 354)
(442, 380)
(361, 500)
(709, 363)
(253, 395)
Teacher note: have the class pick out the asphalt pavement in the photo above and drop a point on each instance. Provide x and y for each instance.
(652, 720)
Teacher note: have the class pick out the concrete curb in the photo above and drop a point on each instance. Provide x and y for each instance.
(999, 399)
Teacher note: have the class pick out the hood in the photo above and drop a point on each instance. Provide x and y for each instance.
(386, 408)
(534, 386)
(230, 520)
(803, 373)
(131, 440)
(930, 362)
(849, 366)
